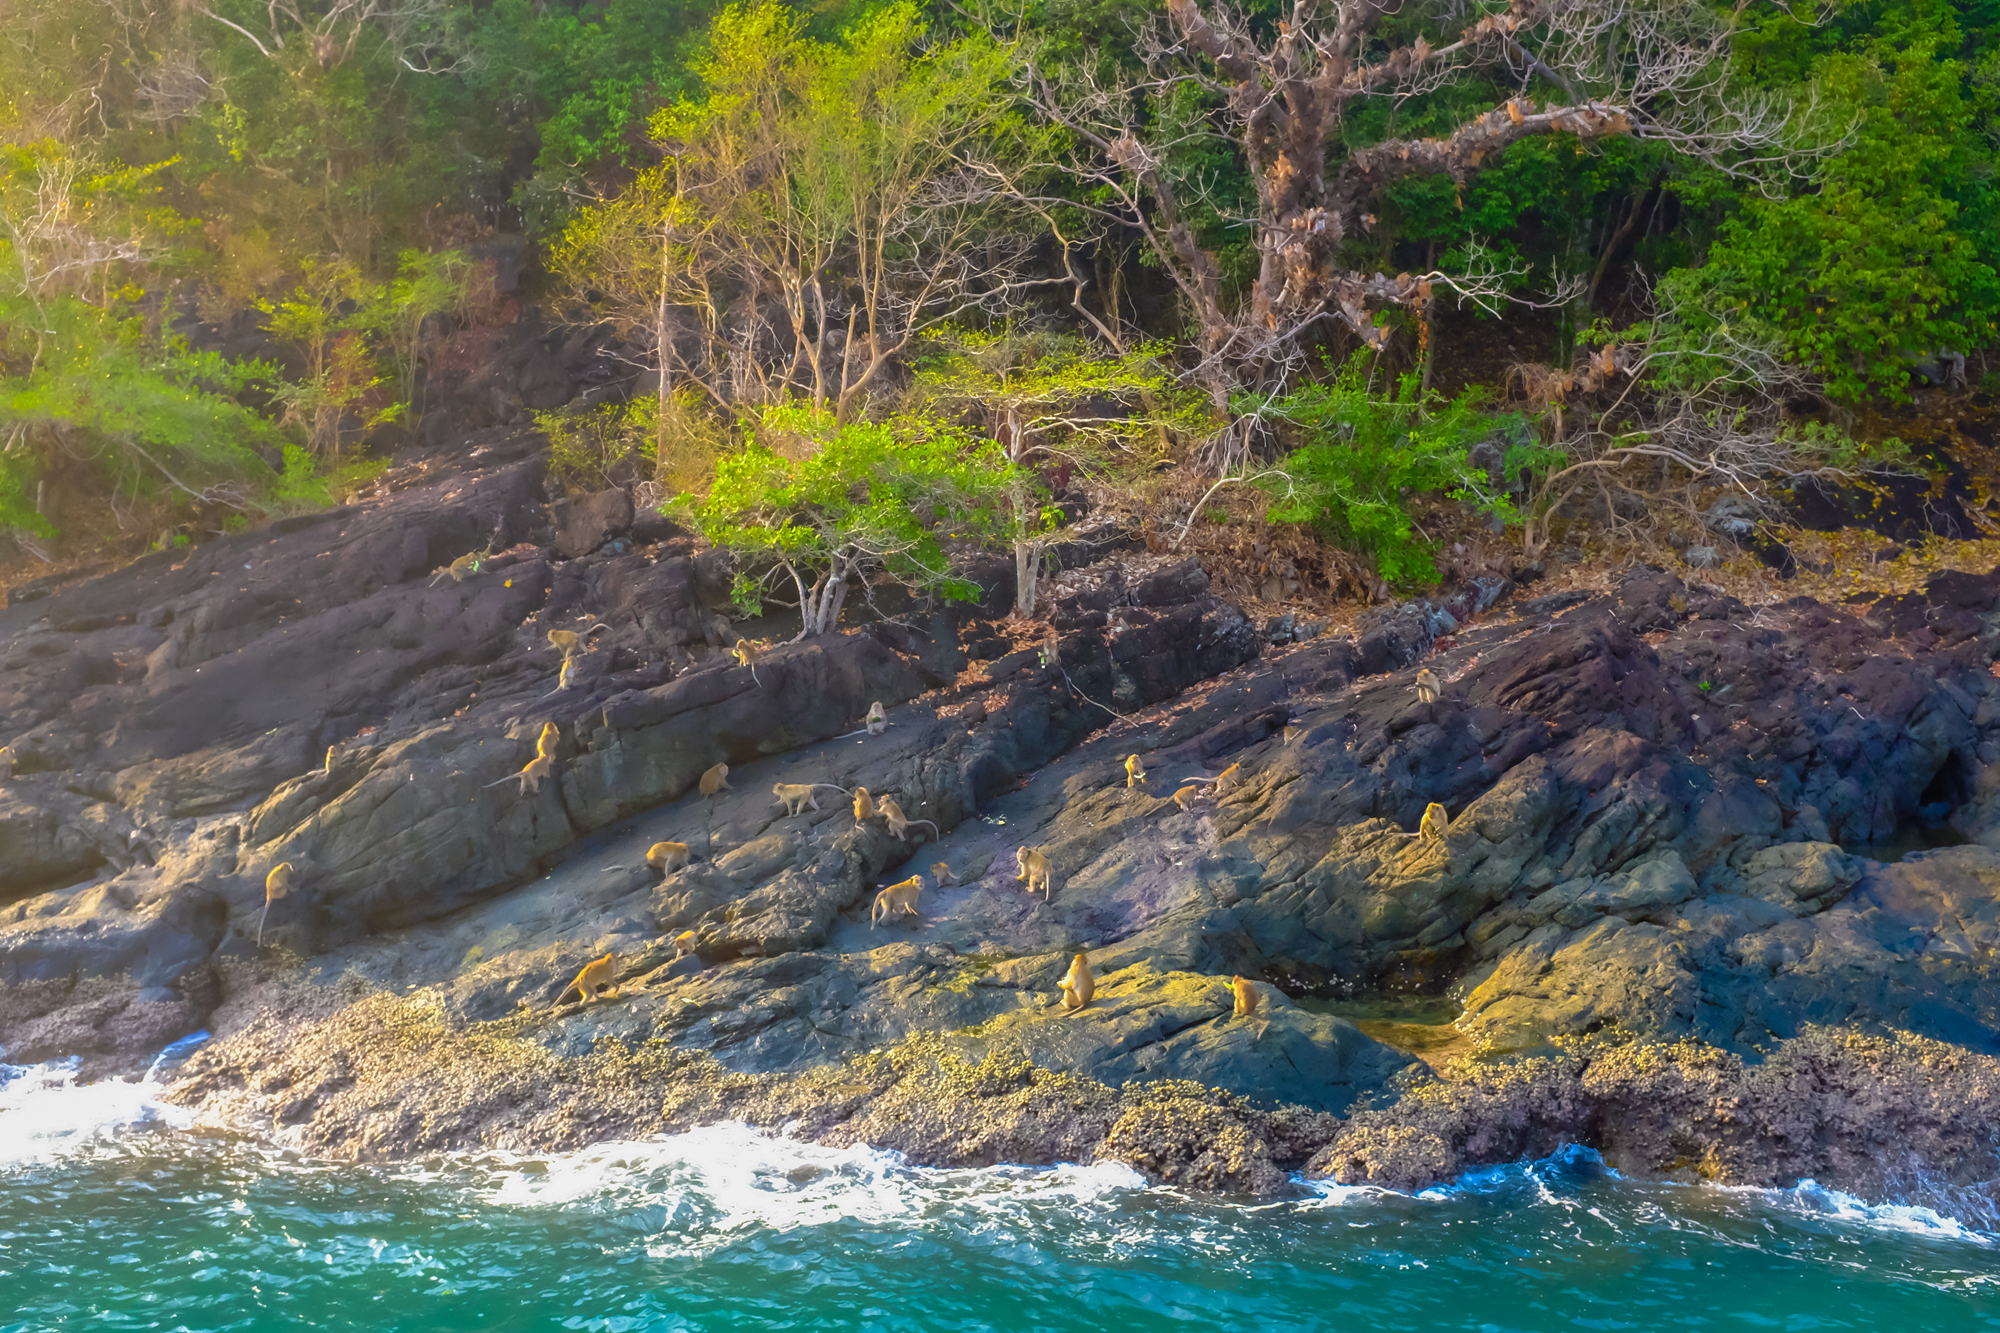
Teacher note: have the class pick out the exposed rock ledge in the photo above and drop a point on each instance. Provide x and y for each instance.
(1654, 898)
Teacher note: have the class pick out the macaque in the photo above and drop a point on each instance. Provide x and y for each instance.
(460, 569)
(899, 823)
(667, 857)
(1079, 986)
(545, 745)
(864, 805)
(531, 776)
(715, 780)
(7, 761)
(1229, 777)
(745, 653)
(795, 795)
(330, 752)
(276, 885)
(1427, 686)
(1036, 869)
(598, 972)
(897, 898)
(1246, 998)
(1135, 772)
(1434, 825)
(877, 720)
(684, 944)
(569, 642)
(566, 678)
(1187, 796)
(941, 872)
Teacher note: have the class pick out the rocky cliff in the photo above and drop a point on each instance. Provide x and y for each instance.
(1670, 913)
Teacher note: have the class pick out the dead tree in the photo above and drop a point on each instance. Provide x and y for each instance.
(1647, 68)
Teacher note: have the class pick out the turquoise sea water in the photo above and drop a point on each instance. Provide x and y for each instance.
(113, 1217)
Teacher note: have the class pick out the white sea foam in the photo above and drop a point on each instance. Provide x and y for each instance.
(1810, 1197)
(45, 1113)
(701, 1188)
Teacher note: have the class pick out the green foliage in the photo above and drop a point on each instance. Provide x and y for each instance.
(1893, 255)
(310, 482)
(587, 446)
(1365, 454)
(328, 316)
(832, 501)
(83, 371)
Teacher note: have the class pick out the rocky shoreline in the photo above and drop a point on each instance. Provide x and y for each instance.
(1671, 901)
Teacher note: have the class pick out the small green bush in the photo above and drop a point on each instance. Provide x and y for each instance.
(1364, 454)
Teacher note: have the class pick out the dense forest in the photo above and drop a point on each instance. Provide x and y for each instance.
(1349, 287)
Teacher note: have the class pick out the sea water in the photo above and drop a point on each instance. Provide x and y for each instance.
(115, 1215)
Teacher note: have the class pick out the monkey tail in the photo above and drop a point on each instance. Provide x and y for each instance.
(260, 922)
(936, 835)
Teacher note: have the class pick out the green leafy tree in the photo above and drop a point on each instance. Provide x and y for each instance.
(1892, 255)
(87, 377)
(1063, 410)
(841, 503)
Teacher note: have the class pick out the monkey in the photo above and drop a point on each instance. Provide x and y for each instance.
(796, 794)
(899, 823)
(597, 972)
(329, 757)
(566, 678)
(864, 805)
(1229, 777)
(531, 776)
(545, 745)
(1187, 796)
(1135, 772)
(877, 719)
(1035, 869)
(745, 653)
(462, 568)
(942, 873)
(1427, 686)
(1514, 112)
(897, 897)
(1434, 825)
(684, 944)
(7, 761)
(1246, 998)
(715, 780)
(569, 642)
(667, 857)
(1079, 986)
(276, 885)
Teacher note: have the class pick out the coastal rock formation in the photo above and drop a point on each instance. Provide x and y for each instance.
(1663, 887)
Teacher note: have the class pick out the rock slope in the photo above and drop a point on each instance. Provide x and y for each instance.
(1671, 903)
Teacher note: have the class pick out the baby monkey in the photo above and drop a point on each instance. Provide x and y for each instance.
(941, 872)
(897, 898)
(1427, 686)
(597, 974)
(1135, 772)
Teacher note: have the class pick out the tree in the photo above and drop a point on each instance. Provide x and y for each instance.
(1876, 266)
(86, 373)
(1648, 68)
(805, 228)
(847, 502)
(1063, 410)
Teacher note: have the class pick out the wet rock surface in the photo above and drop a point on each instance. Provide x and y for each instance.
(1663, 893)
